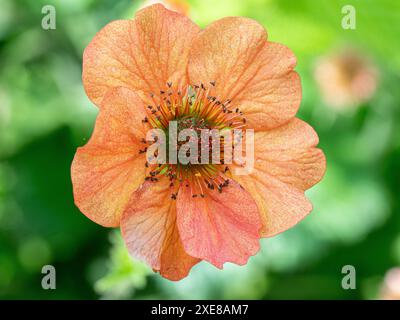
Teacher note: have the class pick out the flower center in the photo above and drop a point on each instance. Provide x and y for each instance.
(197, 109)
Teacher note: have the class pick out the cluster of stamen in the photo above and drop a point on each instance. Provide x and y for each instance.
(195, 108)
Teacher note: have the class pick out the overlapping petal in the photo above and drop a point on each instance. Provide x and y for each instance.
(256, 75)
(108, 169)
(150, 231)
(286, 164)
(141, 54)
(222, 227)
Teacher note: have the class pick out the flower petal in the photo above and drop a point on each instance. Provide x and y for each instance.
(149, 229)
(141, 54)
(222, 227)
(256, 75)
(286, 164)
(108, 169)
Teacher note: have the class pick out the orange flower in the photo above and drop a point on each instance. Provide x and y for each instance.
(159, 67)
(346, 79)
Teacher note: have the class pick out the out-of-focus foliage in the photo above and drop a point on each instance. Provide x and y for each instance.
(45, 115)
(123, 275)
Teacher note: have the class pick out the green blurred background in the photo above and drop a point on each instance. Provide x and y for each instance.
(45, 115)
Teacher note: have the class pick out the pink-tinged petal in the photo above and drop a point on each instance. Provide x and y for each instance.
(150, 231)
(222, 227)
(109, 168)
(141, 54)
(255, 74)
(286, 164)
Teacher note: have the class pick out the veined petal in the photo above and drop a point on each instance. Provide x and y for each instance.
(256, 75)
(290, 154)
(141, 54)
(150, 231)
(286, 164)
(109, 168)
(222, 227)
